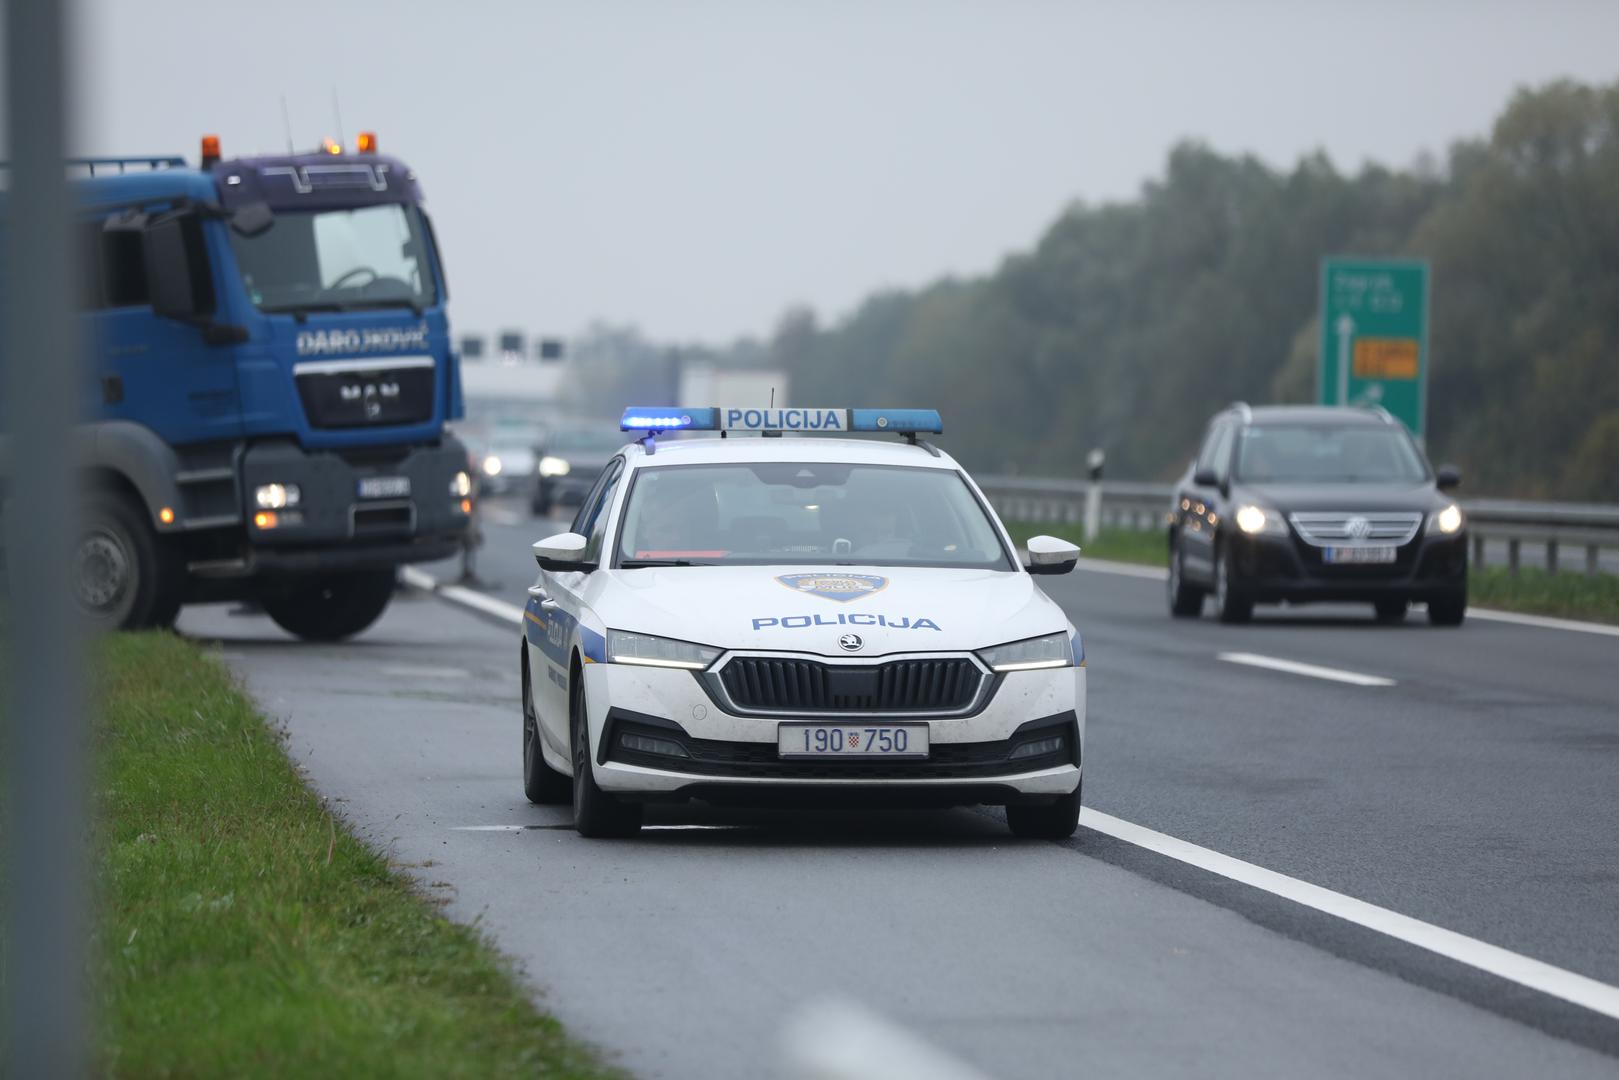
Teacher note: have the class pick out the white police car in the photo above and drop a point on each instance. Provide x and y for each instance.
(757, 619)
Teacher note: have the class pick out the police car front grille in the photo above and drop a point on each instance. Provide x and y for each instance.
(777, 685)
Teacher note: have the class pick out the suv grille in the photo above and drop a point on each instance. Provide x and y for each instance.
(1339, 528)
(773, 684)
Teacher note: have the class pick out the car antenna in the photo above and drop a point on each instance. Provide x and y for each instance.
(337, 115)
(771, 434)
(286, 123)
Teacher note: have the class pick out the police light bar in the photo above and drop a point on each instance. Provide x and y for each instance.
(892, 421)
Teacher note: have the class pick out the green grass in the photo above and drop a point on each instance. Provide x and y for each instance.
(243, 932)
(1570, 595)
(1120, 545)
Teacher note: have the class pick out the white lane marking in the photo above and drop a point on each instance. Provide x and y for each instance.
(865, 1046)
(425, 671)
(418, 579)
(1314, 671)
(1514, 967)
(503, 515)
(1544, 622)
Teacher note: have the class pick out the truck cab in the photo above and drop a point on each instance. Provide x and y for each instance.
(269, 376)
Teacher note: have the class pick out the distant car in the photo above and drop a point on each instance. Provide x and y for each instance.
(568, 461)
(812, 620)
(505, 467)
(1299, 504)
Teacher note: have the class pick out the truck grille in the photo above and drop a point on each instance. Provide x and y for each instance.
(1345, 528)
(366, 393)
(777, 685)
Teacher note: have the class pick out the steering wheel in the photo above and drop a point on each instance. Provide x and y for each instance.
(356, 272)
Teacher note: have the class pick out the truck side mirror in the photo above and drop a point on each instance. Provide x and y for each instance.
(255, 218)
(177, 277)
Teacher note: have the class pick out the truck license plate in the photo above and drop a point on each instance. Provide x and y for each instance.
(1380, 553)
(384, 487)
(852, 740)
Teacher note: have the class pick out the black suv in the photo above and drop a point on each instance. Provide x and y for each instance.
(1302, 503)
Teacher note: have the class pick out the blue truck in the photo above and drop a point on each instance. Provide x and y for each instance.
(269, 379)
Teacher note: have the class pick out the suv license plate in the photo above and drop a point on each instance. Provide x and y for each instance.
(852, 740)
(1381, 553)
(384, 487)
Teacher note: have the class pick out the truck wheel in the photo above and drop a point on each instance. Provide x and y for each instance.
(125, 576)
(333, 607)
(541, 783)
(1055, 820)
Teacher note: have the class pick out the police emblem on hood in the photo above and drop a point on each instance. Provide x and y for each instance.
(839, 587)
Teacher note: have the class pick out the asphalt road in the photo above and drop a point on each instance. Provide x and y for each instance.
(1475, 790)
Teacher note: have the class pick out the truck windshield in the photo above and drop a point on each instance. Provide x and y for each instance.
(807, 514)
(338, 260)
(1322, 454)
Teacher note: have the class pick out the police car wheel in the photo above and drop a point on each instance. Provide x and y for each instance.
(333, 607)
(1448, 610)
(596, 814)
(1055, 820)
(1185, 601)
(1230, 604)
(125, 576)
(541, 783)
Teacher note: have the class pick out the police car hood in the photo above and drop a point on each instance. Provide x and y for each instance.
(794, 609)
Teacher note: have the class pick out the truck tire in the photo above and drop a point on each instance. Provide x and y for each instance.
(125, 576)
(331, 607)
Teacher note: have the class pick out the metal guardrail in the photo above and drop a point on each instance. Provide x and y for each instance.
(1557, 527)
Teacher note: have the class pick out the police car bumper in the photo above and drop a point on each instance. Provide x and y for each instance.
(660, 734)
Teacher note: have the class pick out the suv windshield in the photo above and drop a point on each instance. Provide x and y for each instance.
(1321, 453)
(336, 260)
(806, 514)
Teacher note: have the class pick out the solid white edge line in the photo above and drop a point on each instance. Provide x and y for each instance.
(1313, 671)
(1514, 967)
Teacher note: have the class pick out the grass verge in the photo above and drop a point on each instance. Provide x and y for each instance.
(1571, 596)
(243, 932)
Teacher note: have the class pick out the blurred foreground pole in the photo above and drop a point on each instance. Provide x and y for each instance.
(46, 1030)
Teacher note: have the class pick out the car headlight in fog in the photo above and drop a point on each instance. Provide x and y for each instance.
(491, 466)
(276, 496)
(554, 466)
(461, 485)
(1448, 520)
(1256, 519)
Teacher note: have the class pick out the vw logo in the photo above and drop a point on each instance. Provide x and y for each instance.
(1357, 528)
(851, 643)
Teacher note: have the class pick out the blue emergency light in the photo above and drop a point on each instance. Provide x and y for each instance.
(816, 421)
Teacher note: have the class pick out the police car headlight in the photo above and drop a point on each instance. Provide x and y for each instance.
(624, 647)
(1051, 651)
(554, 466)
(1255, 520)
(1448, 520)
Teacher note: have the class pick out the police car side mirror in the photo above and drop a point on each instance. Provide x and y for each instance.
(1048, 555)
(562, 553)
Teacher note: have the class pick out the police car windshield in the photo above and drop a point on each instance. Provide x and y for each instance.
(1325, 454)
(806, 514)
(338, 260)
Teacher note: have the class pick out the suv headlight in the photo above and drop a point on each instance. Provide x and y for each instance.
(1448, 520)
(1051, 651)
(624, 647)
(554, 466)
(1257, 521)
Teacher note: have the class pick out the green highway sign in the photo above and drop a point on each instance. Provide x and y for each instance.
(1374, 336)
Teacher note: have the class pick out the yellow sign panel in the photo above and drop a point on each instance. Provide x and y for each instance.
(1387, 358)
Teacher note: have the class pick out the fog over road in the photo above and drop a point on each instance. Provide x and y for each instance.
(1465, 780)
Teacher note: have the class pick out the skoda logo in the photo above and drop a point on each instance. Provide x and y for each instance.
(1358, 528)
(851, 643)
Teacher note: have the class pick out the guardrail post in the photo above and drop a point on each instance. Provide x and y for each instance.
(1512, 556)
(1551, 556)
(1093, 510)
(1478, 549)
(1591, 567)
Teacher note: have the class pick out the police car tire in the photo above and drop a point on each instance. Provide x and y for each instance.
(596, 814)
(1449, 610)
(153, 597)
(1231, 604)
(1055, 820)
(1185, 601)
(541, 783)
(331, 607)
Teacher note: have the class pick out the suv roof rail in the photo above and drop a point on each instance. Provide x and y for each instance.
(1241, 407)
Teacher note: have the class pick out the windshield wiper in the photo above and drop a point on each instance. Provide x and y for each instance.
(333, 306)
(636, 564)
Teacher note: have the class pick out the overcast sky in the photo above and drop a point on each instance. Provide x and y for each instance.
(696, 168)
